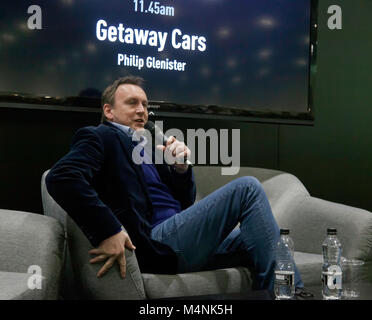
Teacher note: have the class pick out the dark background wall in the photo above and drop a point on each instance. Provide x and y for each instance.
(333, 158)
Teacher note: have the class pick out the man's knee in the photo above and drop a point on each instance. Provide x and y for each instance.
(249, 182)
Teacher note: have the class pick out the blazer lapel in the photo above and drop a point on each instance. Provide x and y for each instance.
(128, 147)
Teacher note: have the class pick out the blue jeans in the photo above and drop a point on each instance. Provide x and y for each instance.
(205, 237)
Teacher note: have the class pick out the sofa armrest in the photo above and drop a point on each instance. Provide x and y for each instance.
(28, 242)
(109, 287)
(309, 217)
(82, 275)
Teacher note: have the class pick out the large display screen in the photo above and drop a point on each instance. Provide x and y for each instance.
(248, 54)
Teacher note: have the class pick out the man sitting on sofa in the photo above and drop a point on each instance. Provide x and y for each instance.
(110, 197)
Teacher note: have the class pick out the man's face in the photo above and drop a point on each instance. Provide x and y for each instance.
(130, 107)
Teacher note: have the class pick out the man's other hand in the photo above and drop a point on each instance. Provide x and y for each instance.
(110, 250)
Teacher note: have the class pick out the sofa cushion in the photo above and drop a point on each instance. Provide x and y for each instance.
(29, 239)
(283, 190)
(229, 280)
(209, 178)
(309, 219)
(310, 266)
(221, 281)
(14, 286)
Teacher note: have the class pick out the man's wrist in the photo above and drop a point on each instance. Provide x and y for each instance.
(118, 230)
(180, 168)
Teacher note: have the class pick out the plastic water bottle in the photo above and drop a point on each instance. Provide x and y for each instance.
(331, 269)
(284, 271)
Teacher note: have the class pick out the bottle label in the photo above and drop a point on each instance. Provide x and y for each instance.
(285, 278)
(332, 278)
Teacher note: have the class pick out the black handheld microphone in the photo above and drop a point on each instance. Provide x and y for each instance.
(154, 129)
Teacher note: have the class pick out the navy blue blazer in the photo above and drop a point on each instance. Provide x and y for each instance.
(102, 189)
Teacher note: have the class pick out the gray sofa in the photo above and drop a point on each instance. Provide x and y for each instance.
(31, 256)
(293, 207)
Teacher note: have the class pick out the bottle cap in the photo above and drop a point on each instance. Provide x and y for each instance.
(331, 231)
(284, 231)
